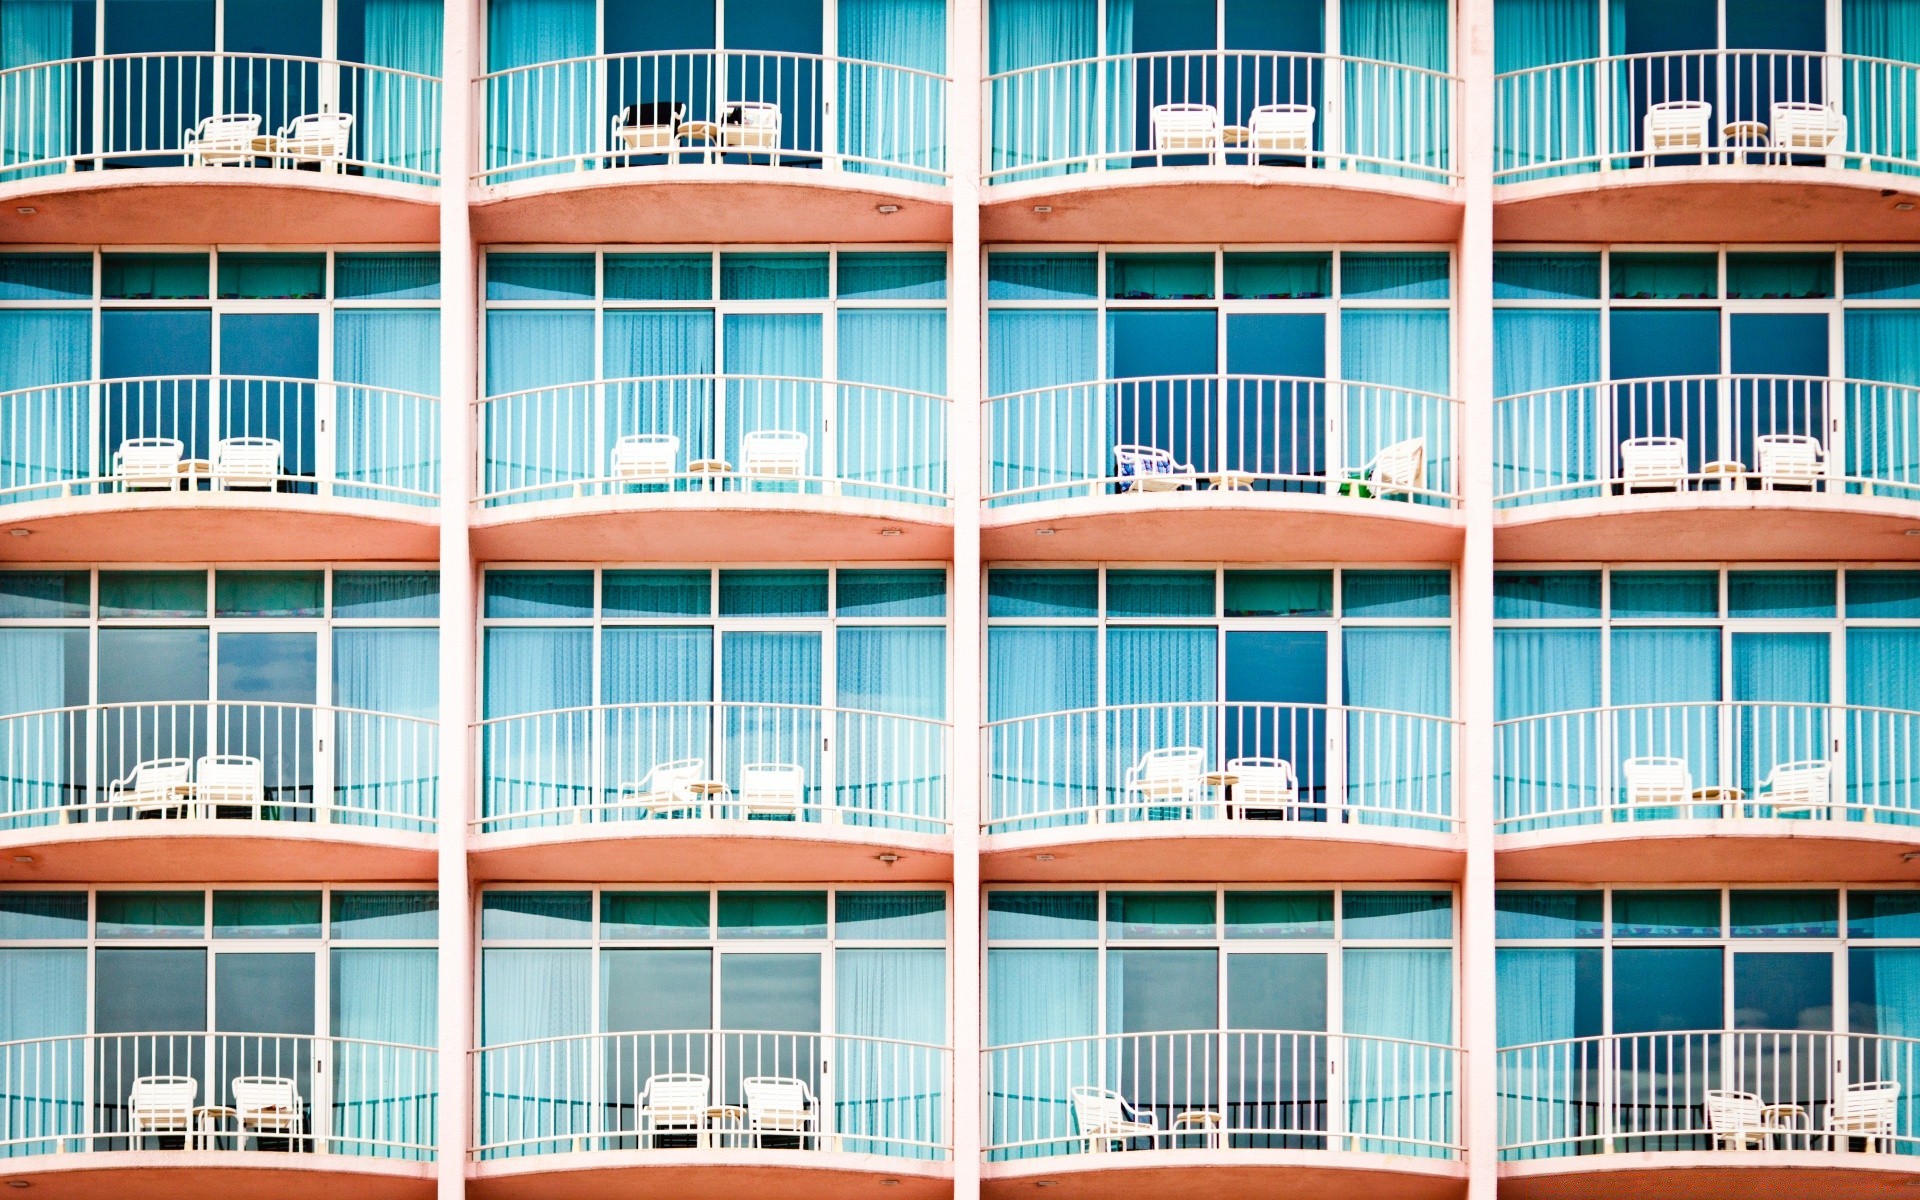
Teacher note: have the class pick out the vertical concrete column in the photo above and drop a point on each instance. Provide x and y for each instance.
(459, 363)
(1479, 1098)
(964, 359)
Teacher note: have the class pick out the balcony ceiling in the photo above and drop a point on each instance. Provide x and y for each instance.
(197, 206)
(1713, 203)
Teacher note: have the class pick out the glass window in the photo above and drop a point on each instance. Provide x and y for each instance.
(154, 276)
(1396, 594)
(659, 277)
(539, 594)
(153, 594)
(1278, 276)
(656, 593)
(29, 916)
(150, 914)
(773, 593)
(46, 276)
(370, 915)
(1394, 276)
(1043, 593)
(404, 276)
(540, 277)
(1396, 915)
(1160, 914)
(269, 593)
(272, 276)
(266, 914)
(1042, 276)
(1557, 915)
(1883, 914)
(1779, 276)
(655, 916)
(1545, 596)
(1279, 593)
(916, 276)
(1280, 914)
(1664, 276)
(773, 276)
(1883, 594)
(1780, 593)
(537, 916)
(1546, 276)
(1666, 914)
(1784, 914)
(1665, 988)
(1879, 276)
(773, 914)
(890, 916)
(891, 593)
(1160, 276)
(1043, 916)
(1160, 593)
(44, 594)
(1666, 594)
(389, 594)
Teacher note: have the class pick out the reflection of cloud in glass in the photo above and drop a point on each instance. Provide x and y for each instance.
(277, 667)
(152, 664)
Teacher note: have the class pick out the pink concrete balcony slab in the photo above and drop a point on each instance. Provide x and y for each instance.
(1723, 1174)
(709, 1175)
(1153, 1174)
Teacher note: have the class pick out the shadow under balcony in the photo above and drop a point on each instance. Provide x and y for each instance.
(706, 1114)
(705, 792)
(1229, 1112)
(193, 791)
(1234, 468)
(1748, 1113)
(220, 468)
(1223, 146)
(1706, 146)
(1707, 468)
(1226, 792)
(203, 147)
(713, 146)
(1721, 791)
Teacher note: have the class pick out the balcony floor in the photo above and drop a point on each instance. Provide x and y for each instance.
(1712, 851)
(1710, 527)
(712, 527)
(179, 851)
(710, 852)
(198, 206)
(217, 527)
(1224, 852)
(1711, 1175)
(1293, 1174)
(1712, 203)
(709, 1175)
(199, 1174)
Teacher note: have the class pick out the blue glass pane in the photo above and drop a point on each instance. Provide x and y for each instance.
(150, 914)
(1669, 988)
(1780, 593)
(1160, 276)
(386, 276)
(540, 277)
(1278, 276)
(1666, 914)
(656, 593)
(1160, 593)
(1396, 593)
(773, 914)
(1546, 276)
(655, 916)
(1160, 914)
(26, 916)
(890, 916)
(1042, 916)
(773, 593)
(154, 276)
(1425, 915)
(46, 276)
(891, 593)
(1279, 593)
(539, 594)
(43, 594)
(269, 594)
(386, 594)
(773, 276)
(1779, 276)
(1883, 594)
(1883, 914)
(1876, 276)
(1280, 914)
(917, 276)
(153, 594)
(1666, 594)
(659, 276)
(1042, 593)
(1664, 276)
(1557, 915)
(1784, 914)
(266, 914)
(272, 276)
(1546, 596)
(536, 916)
(1042, 276)
(1395, 276)
(380, 915)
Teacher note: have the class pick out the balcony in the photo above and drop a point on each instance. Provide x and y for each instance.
(1707, 468)
(705, 1112)
(1119, 147)
(110, 470)
(1089, 795)
(754, 468)
(1705, 145)
(88, 1114)
(1256, 1110)
(70, 128)
(1635, 1112)
(1198, 467)
(1728, 790)
(182, 791)
(704, 792)
(850, 151)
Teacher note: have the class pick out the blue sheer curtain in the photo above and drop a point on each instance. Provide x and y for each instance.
(539, 763)
(1399, 352)
(1397, 116)
(385, 767)
(1046, 437)
(1882, 770)
(382, 1094)
(544, 434)
(1668, 682)
(49, 749)
(1040, 115)
(1399, 767)
(551, 111)
(887, 437)
(1545, 116)
(1548, 439)
(667, 357)
(657, 681)
(43, 994)
(772, 681)
(1883, 411)
(1539, 1000)
(1546, 765)
(888, 1091)
(1039, 996)
(398, 115)
(889, 764)
(892, 116)
(1161, 681)
(782, 358)
(45, 429)
(1883, 29)
(1394, 1088)
(43, 104)
(387, 434)
(1895, 1006)
(541, 1090)
(1046, 763)
(1785, 679)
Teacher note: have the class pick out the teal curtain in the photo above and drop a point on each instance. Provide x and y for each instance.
(538, 1091)
(1039, 996)
(1883, 411)
(1399, 1094)
(893, 122)
(43, 995)
(1387, 356)
(1397, 121)
(387, 429)
(892, 439)
(538, 763)
(657, 681)
(398, 116)
(45, 420)
(1539, 999)
(1881, 765)
(1049, 761)
(660, 362)
(1549, 439)
(1056, 432)
(48, 750)
(1667, 682)
(1546, 765)
(889, 1094)
(543, 433)
(1161, 681)
(1399, 766)
(386, 770)
(783, 358)
(1040, 115)
(385, 1093)
(1881, 95)
(1784, 677)
(42, 104)
(1894, 1001)
(891, 770)
(772, 681)
(549, 111)
(1545, 116)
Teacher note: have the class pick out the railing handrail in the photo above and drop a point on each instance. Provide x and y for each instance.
(221, 1033)
(1218, 376)
(218, 54)
(1713, 377)
(694, 51)
(1600, 1038)
(216, 377)
(1318, 55)
(1716, 52)
(1222, 1032)
(1601, 709)
(706, 376)
(132, 704)
(934, 722)
(1322, 706)
(691, 1033)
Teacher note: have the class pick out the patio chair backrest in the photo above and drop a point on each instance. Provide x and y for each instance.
(676, 1099)
(1651, 458)
(253, 461)
(1803, 125)
(1867, 1105)
(158, 777)
(751, 125)
(646, 456)
(332, 127)
(1132, 461)
(1185, 126)
(1677, 125)
(162, 1096)
(772, 785)
(1263, 781)
(1730, 1112)
(1171, 764)
(1400, 467)
(781, 452)
(1657, 780)
(1097, 1110)
(270, 1094)
(1281, 127)
(777, 1102)
(1806, 782)
(1794, 456)
(233, 778)
(651, 114)
(672, 778)
(156, 458)
(228, 128)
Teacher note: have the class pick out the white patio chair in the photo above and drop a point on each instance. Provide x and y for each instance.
(322, 138)
(666, 790)
(1280, 129)
(149, 464)
(1865, 1110)
(224, 141)
(246, 464)
(1738, 1121)
(1264, 785)
(1185, 129)
(157, 785)
(1798, 788)
(1801, 127)
(1150, 469)
(229, 781)
(1168, 776)
(1397, 470)
(772, 790)
(774, 454)
(654, 125)
(1653, 464)
(780, 1105)
(1106, 1120)
(1676, 127)
(673, 1104)
(1788, 460)
(646, 458)
(1657, 781)
(753, 126)
(268, 1106)
(159, 1104)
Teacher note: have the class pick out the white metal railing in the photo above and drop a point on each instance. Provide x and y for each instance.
(861, 440)
(1350, 765)
(1591, 115)
(1569, 442)
(1095, 114)
(1570, 768)
(128, 110)
(861, 1095)
(591, 765)
(1225, 1090)
(62, 1095)
(714, 106)
(1648, 1092)
(1233, 432)
(308, 763)
(333, 439)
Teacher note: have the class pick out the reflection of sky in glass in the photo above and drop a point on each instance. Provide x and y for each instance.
(279, 667)
(152, 664)
(770, 992)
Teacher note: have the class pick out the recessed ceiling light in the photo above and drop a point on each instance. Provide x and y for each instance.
(1043, 858)
(21, 532)
(1043, 208)
(23, 858)
(18, 1183)
(888, 859)
(1904, 206)
(890, 532)
(889, 208)
(1044, 532)
(1909, 856)
(889, 1183)
(1045, 1182)
(25, 210)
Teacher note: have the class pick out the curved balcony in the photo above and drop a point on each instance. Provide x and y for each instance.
(1759, 467)
(1749, 145)
(1081, 151)
(183, 791)
(1359, 471)
(1372, 795)
(360, 1115)
(1728, 790)
(732, 145)
(321, 470)
(582, 471)
(564, 1117)
(68, 130)
(1259, 1111)
(669, 791)
(1629, 1113)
